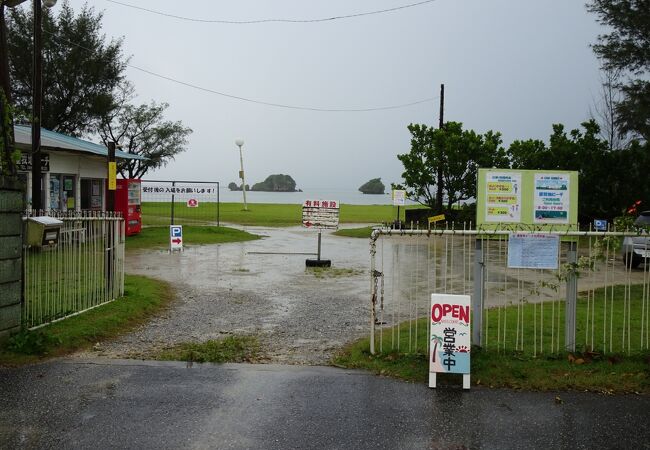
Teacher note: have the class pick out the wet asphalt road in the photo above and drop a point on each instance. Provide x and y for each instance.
(106, 403)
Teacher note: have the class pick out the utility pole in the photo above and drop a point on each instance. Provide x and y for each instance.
(441, 126)
(37, 85)
(8, 166)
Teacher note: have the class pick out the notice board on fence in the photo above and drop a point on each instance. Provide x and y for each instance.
(450, 334)
(533, 251)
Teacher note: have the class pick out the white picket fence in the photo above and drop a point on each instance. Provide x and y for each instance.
(83, 270)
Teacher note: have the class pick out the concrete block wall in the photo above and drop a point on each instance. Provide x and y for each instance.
(11, 241)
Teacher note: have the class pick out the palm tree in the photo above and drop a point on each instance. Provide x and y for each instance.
(437, 339)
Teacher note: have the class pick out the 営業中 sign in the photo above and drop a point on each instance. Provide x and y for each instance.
(450, 334)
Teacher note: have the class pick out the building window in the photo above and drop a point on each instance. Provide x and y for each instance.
(62, 192)
(91, 194)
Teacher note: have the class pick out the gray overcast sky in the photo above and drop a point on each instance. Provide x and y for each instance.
(515, 66)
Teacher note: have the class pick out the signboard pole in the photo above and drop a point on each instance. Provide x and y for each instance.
(319, 241)
(172, 205)
(571, 300)
(110, 206)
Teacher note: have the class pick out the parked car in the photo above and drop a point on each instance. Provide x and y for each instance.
(637, 249)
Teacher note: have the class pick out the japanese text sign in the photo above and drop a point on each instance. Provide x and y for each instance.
(320, 214)
(533, 251)
(450, 334)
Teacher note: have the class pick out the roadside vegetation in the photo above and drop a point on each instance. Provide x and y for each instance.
(333, 272)
(590, 368)
(143, 298)
(230, 349)
(158, 237)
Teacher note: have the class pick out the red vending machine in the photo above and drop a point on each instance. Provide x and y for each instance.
(127, 201)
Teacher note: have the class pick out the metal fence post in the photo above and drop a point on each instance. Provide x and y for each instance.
(479, 287)
(571, 299)
(173, 186)
(218, 204)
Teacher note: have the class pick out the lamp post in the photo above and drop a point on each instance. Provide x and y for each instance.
(37, 86)
(239, 143)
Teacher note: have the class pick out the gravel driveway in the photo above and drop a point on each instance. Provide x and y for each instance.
(223, 289)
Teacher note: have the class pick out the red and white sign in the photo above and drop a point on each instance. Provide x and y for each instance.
(450, 334)
(320, 214)
(192, 203)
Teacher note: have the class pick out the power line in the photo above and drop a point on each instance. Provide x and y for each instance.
(250, 100)
(277, 20)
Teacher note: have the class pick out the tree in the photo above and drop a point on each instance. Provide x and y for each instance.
(610, 179)
(604, 110)
(374, 186)
(627, 48)
(142, 130)
(458, 152)
(81, 70)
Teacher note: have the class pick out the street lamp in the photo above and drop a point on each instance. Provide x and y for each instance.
(239, 143)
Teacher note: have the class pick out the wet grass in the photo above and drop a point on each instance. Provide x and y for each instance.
(143, 298)
(333, 272)
(228, 349)
(613, 374)
(363, 232)
(402, 349)
(158, 237)
(259, 214)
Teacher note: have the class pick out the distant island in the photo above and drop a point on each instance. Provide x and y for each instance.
(276, 183)
(374, 186)
(234, 187)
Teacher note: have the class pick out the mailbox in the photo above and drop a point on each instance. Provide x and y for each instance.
(43, 230)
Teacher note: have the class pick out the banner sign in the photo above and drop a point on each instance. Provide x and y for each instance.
(450, 334)
(321, 214)
(112, 176)
(533, 251)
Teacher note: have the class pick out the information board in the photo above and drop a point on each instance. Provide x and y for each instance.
(320, 214)
(533, 251)
(543, 199)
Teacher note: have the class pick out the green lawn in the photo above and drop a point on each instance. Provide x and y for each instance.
(363, 232)
(262, 214)
(158, 237)
(143, 298)
(502, 363)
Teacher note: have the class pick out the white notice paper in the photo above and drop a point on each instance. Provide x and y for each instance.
(533, 251)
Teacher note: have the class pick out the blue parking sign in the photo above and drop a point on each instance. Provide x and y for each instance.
(176, 237)
(600, 225)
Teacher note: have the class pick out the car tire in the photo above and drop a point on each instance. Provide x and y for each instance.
(631, 260)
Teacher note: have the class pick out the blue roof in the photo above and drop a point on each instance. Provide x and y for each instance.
(53, 140)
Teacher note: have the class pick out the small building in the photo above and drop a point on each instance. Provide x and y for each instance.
(74, 171)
